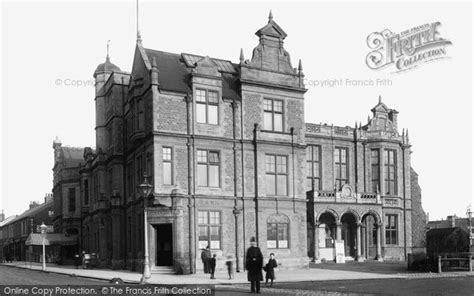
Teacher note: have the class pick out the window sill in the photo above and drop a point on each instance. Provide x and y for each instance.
(275, 132)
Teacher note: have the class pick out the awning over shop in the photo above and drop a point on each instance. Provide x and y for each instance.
(51, 239)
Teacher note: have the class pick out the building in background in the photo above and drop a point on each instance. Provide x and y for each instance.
(230, 157)
(15, 230)
(66, 190)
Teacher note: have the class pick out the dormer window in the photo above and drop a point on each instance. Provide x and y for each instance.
(207, 106)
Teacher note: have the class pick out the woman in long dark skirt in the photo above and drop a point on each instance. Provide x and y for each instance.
(270, 269)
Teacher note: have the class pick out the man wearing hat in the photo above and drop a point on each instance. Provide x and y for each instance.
(254, 263)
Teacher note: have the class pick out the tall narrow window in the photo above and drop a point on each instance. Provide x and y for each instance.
(140, 115)
(96, 187)
(375, 165)
(207, 106)
(72, 199)
(390, 172)
(167, 166)
(273, 115)
(342, 170)
(209, 229)
(139, 170)
(208, 168)
(130, 178)
(86, 192)
(391, 229)
(313, 164)
(276, 175)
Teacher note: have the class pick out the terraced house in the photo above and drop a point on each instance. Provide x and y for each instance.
(229, 155)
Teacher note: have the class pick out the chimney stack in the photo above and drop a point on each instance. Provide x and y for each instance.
(452, 219)
(33, 204)
(48, 197)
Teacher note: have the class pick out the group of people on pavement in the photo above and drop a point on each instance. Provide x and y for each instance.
(253, 264)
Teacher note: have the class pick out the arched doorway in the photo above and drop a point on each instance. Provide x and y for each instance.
(326, 235)
(369, 236)
(348, 233)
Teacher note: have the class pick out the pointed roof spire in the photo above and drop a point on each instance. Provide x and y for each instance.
(241, 58)
(107, 58)
(300, 66)
(270, 16)
(139, 36)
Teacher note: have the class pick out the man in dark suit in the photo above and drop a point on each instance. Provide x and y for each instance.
(205, 256)
(254, 263)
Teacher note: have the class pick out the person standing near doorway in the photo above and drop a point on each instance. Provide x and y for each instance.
(254, 263)
(205, 257)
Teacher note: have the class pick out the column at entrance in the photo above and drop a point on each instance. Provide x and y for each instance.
(379, 242)
(338, 231)
(316, 241)
(359, 243)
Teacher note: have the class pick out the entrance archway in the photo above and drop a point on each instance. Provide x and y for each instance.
(348, 233)
(369, 236)
(326, 236)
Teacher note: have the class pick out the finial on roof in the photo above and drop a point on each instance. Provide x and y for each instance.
(107, 58)
(241, 58)
(380, 99)
(139, 36)
(368, 118)
(300, 66)
(270, 16)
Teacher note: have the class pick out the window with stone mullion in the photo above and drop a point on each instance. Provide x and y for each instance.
(207, 106)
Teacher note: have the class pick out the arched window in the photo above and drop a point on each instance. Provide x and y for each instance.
(278, 226)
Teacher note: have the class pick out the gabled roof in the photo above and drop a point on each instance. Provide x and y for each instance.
(175, 72)
(271, 29)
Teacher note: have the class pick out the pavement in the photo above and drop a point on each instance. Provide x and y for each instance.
(293, 275)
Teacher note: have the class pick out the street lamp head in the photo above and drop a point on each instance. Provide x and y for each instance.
(43, 228)
(145, 188)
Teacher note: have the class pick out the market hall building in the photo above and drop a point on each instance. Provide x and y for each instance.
(230, 157)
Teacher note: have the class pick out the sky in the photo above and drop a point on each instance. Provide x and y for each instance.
(49, 51)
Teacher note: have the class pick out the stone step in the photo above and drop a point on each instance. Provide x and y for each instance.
(162, 270)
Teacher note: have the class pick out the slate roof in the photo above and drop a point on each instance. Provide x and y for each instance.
(7, 221)
(174, 74)
(72, 156)
(106, 67)
(30, 212)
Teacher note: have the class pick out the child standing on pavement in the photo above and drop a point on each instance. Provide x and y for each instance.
(212, 265)
(270, 269)
(229, 264)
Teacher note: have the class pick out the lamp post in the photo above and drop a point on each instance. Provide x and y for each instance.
(43, 236)
(145, 189)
